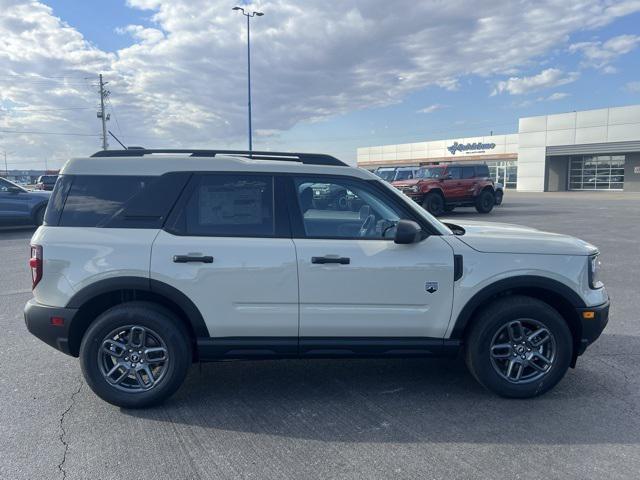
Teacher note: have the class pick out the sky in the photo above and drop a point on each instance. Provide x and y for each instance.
(327, 75)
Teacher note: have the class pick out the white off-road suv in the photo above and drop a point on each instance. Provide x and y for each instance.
(149, 260)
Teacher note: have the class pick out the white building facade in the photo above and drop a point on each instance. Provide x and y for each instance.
(586, 150)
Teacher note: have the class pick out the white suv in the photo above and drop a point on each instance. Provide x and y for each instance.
(149, 260)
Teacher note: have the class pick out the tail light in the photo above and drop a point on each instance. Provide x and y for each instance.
(35, 263)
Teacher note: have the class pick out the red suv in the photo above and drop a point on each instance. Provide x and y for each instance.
(441, 188)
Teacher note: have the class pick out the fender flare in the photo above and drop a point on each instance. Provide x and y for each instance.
(523, 281)
(107, 285)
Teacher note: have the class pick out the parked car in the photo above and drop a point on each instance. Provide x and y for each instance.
(441, 188)
(19, 206)
(499, 193)
(206, 255)
(46, 182)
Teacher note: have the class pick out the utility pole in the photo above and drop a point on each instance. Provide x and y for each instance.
(249, 16)
(104, 117)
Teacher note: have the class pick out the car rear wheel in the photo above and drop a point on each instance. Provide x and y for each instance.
(518, 347)
(433, 203)
(485, 202)
(135, 355)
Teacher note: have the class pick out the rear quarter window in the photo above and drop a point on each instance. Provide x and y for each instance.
(114, 201)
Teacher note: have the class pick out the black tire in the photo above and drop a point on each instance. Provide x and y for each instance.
(38, 218)
(433, 203)
(499, 196)
(485, 201)
(158, 320)
(491, 321)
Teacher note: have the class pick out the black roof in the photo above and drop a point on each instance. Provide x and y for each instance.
(306, 158)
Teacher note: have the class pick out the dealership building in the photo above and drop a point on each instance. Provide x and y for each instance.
(586, 150)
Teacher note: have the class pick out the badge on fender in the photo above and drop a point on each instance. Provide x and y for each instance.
(431, 287)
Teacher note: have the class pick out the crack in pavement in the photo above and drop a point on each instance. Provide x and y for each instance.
(64, 432)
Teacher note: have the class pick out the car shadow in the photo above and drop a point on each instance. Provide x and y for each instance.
(405, 400)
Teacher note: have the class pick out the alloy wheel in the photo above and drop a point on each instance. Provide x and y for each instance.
(133, 358)
(523, 351)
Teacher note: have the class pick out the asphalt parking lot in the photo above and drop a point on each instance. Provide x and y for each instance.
(340, 419)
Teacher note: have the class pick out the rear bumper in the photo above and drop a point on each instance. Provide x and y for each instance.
(38, 320)
(592, 327)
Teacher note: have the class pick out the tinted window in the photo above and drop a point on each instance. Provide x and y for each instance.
(114, 201)
(94, 199)
(482, 171)
(468, 172)
(455, 172)
(344, 209)
(229, 205)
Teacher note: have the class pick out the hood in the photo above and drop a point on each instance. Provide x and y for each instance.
(508, 238)
(40, 193)
(410, 183)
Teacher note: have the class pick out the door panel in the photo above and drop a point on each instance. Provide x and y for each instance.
(250, 288)
(381, 292)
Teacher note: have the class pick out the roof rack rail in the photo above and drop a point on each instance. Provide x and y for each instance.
(306, 158)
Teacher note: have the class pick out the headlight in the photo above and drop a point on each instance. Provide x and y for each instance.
(594, 272)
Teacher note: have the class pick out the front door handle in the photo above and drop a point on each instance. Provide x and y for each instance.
(192, 258)
(327, 259)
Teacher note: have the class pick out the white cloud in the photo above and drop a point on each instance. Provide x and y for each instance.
(182, 82)
(632, 87)
(599, 54)
(557, 96)
(431, 108)
(551, 77)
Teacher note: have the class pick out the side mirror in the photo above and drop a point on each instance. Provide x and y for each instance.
(446, 177)
(14, 189)
(407, 231)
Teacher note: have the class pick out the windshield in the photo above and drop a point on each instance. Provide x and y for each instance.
(386, 175)
(404, 175)
(6, 184)
(431, 172)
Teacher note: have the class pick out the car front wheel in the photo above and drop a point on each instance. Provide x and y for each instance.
(135, 354)
(485, 202)
(518, 347)
(433, 203)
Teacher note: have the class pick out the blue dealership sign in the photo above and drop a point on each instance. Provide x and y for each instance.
(466, 147)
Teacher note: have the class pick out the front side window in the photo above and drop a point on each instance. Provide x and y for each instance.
(430, 172)
(229, 205)
(344, 208)
(455, 173)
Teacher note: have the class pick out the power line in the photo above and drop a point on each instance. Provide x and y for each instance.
(33, 132)
(43, 109)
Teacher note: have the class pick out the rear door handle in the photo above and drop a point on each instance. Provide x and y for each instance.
(192, 258)
(339, 260)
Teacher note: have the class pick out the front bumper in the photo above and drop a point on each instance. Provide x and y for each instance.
(38, 319)
(592, 327)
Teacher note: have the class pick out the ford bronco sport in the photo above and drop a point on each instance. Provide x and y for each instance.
(149, 260)
(441, 188)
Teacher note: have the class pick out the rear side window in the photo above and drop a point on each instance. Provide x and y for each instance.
(114, 201)
(482, 171)
(228, 205)
(468, 172)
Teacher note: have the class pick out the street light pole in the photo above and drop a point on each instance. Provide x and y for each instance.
(249, 15)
